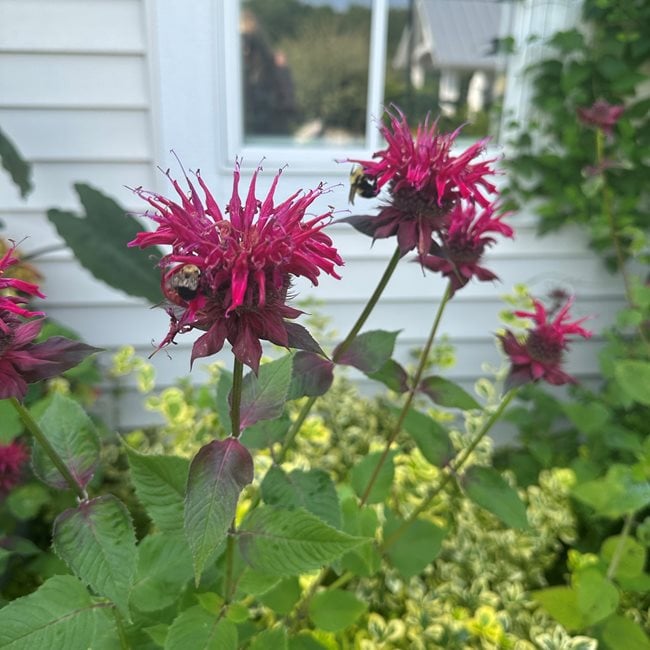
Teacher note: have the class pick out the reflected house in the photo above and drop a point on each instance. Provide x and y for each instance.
(454, 40)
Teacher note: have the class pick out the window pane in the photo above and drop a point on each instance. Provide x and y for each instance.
(305, 71)
(455, 71)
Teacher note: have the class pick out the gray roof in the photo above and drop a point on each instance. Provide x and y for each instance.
(461, 32)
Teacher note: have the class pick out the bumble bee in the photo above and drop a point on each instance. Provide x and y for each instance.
(184, 281)
(362, 184)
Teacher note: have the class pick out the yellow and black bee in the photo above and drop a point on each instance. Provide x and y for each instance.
(184, 282)
(362, 184)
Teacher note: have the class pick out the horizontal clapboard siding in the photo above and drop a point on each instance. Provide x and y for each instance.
(78, 96)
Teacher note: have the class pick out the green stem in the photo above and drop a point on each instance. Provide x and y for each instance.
(230, 556)
(451, 470)
(341, 348)
(620, 547)
(235, 397)
(57, 461)
(121, 632)
(411, 393)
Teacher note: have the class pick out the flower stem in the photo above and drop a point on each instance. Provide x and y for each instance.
(32, 426)
(620, 547)
(451, 470)
(230, 555)
(341, 348)
(411, 393)
(235, 397)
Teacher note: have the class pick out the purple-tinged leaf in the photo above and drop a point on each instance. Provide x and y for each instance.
(97, 541)
(487, 488)
(369, 351)
(72, 434)
(447, 393)
(392, 375)
(300, 338)
(312, 375)
(263, 396)
(218, 473)
(54, 356)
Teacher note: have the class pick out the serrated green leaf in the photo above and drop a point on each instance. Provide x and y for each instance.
(416, 547)
(160, 487)
(254, 583)
(333, 610)
(487, 488)
(631, 556)
(290, 542)
(19, 170)
(263, 396)
(362, 472)
(99, 241)
(621, 633)
(597, 597)
(634, 378)
(275, 639)
(97, 541)
(263, 434)
(312, 490)
(197, 629)
(218, 474)
(588, 418)
(72, 434)
(430, 436)
(283, 596)
(60, 615)
(164, 567)
(157, 633)
(369, 351)
(306, 641)
(447, 393)
(562, 604)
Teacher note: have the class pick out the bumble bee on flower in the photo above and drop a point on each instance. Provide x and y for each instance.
(229, 272)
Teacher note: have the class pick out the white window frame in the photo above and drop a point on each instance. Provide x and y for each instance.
(196, 97)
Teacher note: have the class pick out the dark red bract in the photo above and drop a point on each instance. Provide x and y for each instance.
(601, 115)
(540, 354)
(243, 261)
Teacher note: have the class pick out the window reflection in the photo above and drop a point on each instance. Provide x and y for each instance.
(443, 58)
(305, 71)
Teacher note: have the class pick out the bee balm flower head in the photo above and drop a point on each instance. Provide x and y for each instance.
(425, 180)
(21, 360)
(229, 273)
(539, 355)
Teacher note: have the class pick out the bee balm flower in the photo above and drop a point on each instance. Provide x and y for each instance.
(21, 360)
(601, 115)
(540, 354)
(12, 458)
(229, 273)
(425, 181)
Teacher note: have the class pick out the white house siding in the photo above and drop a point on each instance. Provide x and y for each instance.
(78, 96)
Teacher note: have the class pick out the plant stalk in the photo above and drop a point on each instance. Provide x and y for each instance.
(230, 555)
(620, 547)
(235, 397)
(451, 470)
(32, 426)
(411, 393)
(341, 348)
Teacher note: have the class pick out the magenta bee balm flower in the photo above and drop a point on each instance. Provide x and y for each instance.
(229, 274)
(425, 180)
(601, 115)
(21, 360)
(463, 243)
(540, 354)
